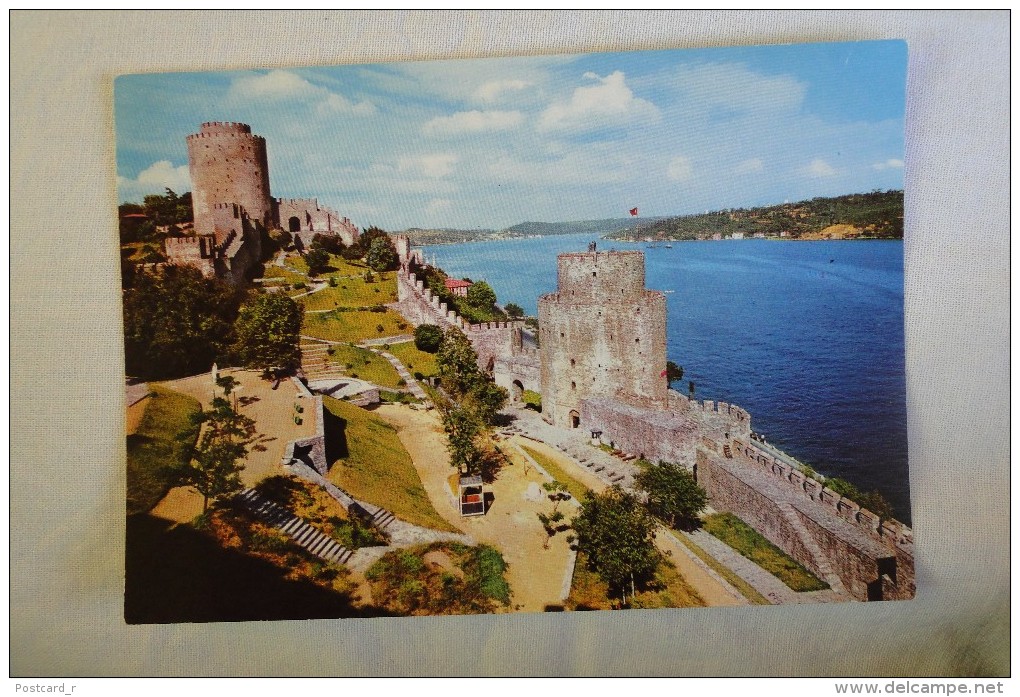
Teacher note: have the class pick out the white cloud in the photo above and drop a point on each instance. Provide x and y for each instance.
(819, 168)
(438, 205)
(155, 179)
(891, 163)
(749, 166)
(735, 87)
(609, 103)
(285, 86)
(679, 169)
(472, 122)
(492, 91)
(435, 166)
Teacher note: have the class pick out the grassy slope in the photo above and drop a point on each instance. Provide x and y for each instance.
(377, 468)
(742, 586)
(365, 365)
(353, 326)
(155, 446)
(354, 292)
(415, 360)
(743, 538)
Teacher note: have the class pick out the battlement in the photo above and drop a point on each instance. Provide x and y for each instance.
(600, 276)
(781, 469)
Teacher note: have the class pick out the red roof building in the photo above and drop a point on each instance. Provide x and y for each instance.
(459, 288)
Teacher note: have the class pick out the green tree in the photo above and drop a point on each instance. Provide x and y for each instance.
(616, 534)
(481, 296)
(674, 373)
(382, 256)
(673, 495)
(515, 311)
(428, 337)
(463, 430)
(317, 259)
(214, 469)
(176, 322)
(267, 329)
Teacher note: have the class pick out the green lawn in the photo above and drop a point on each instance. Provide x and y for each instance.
(354, 292)
(155, 445)
(283, 275)
(742, 586)
(415, 360)
(576, 488)
(337, 265)
(746, 540)
(365, 365)
(377, 468)
(353, 326)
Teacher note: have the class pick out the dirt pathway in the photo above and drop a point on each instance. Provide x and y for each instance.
(535, 573)
(713, 591)
(273, 412)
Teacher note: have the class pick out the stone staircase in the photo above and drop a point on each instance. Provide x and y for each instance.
(319, 544)
(316, 363)
(821, 562)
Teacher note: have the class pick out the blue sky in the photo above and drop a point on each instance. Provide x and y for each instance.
(493, 142)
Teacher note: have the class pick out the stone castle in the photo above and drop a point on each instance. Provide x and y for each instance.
(601, 368)
(233, 207)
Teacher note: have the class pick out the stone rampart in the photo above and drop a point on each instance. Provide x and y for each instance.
(311, 450)
(650, 434)
(805, 521)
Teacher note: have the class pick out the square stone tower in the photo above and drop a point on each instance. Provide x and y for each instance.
(602, 335)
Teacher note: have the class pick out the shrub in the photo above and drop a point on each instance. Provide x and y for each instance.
(428, 338)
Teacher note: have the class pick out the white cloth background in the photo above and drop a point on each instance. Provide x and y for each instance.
(67, 449)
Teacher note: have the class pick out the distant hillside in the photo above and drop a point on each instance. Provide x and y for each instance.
(597, 228)
(876, 215)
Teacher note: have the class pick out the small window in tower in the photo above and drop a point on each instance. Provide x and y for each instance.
(561, 335)
(573, 385)
(637, 340)
(572, 362)
(593, 274)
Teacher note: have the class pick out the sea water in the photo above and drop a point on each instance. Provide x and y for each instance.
(806, 336)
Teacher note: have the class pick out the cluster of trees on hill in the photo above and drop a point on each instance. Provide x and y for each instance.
(177, 323)
(164, 211)
(878, 214)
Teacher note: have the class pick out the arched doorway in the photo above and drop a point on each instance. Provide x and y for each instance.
(294, 224)
(518, 391)
(575, 418)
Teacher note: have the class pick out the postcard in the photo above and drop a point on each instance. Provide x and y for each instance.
(528, 334)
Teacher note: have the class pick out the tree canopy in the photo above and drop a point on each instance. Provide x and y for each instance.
(382, 255)
(317, 259)
(514, 310)
(481, 296)
(176, 322)
(673, 495)
(268, 328)
(674, 373)
(616, 534)
(214, 469)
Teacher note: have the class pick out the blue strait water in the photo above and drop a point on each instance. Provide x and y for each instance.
(807, 336)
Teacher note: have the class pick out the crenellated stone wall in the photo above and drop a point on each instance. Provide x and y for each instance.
(807, 521)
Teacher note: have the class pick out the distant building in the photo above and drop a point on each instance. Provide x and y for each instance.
(458, 287)
(737, 236)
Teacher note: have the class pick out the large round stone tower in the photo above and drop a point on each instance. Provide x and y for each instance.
(228, 165)
(602, 335)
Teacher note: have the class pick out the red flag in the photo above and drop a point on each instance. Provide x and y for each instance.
(662, 374)
(633, 211)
